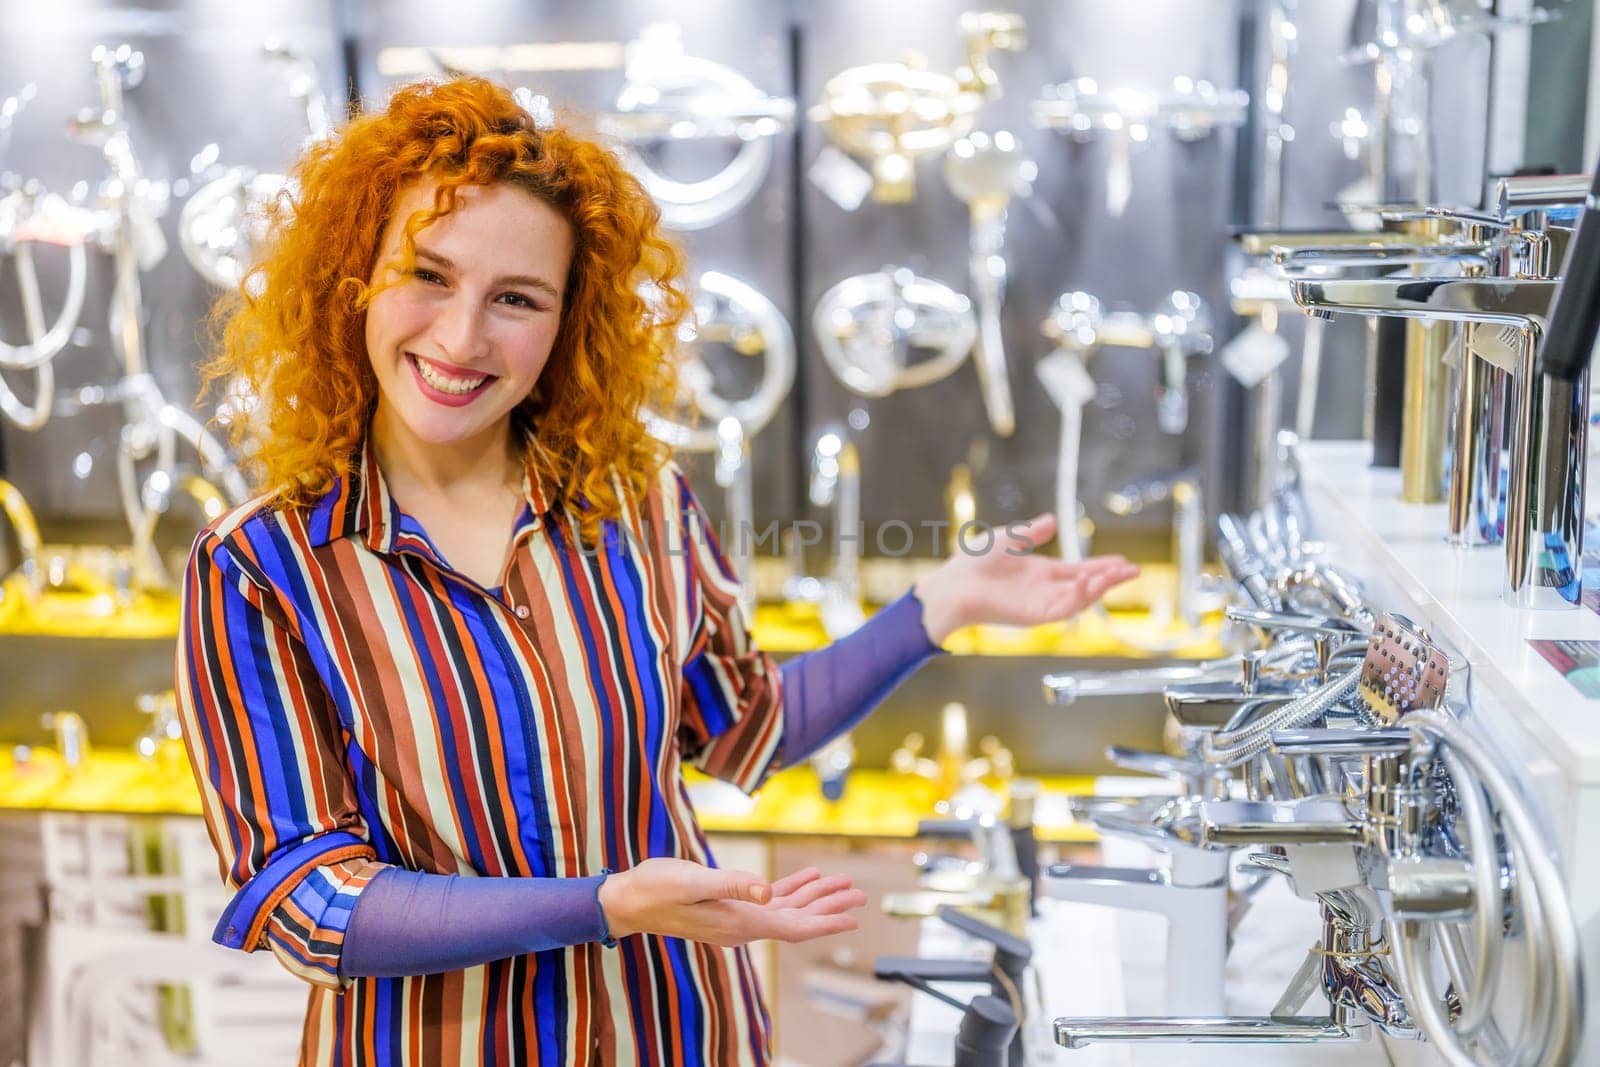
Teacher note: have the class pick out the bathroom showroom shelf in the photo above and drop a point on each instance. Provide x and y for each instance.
(1456, 593)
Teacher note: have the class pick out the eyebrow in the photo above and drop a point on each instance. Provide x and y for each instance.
(532, 281)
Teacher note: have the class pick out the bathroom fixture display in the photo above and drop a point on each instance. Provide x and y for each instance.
(986, 171)
(667, 98)
(834, 484)
(1370, 794)
(1190, 109)
(1182, 493)
(869, 328)
(892, 114)
(224, 219)
(32, 219)
(737, 318)
(1181, 328)
(1545, 491)
(123, 222)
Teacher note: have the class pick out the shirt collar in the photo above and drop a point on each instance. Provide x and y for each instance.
(359, 504)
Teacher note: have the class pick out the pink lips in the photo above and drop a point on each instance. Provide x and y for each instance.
(452, 400)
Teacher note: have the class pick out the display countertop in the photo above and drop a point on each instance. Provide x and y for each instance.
(1457, 594)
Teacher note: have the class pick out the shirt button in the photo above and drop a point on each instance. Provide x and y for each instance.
(522, 611)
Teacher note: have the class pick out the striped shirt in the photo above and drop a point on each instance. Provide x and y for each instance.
(350, 702)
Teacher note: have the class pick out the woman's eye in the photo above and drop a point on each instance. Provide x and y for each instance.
(518, 300)
(427, 276)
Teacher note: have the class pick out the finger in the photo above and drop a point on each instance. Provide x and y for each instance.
(1100, 584)
(738, 885)
(809, 928)
(838, 903)
(789, 883)
(1022, 537)
(834, 883)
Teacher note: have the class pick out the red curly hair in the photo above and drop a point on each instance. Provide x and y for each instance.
(294, 334)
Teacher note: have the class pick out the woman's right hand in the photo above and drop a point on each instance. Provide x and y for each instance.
(678, 898)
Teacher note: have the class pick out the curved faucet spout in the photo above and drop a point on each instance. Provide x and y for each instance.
(1524, 303)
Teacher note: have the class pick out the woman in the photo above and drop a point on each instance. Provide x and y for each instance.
(438, 681)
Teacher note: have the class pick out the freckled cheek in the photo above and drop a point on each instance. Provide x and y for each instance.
(525, 352)
(393, 317)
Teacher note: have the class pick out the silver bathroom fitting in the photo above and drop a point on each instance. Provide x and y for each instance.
(736, 477)
(1188, 532)
(1181, 328)
(1433, 241)
(669, 96)
(222, 220)
(1190, 890)
(1538, 192)
(1545, 498)
(732, 312)
(986, 171)
(894, 113)
(835, 483)
(1191, 894)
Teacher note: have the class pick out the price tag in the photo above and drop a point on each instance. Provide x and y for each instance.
(841, 179)
(1252, 355)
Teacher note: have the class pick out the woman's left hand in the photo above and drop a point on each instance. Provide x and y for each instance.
(1002, 580)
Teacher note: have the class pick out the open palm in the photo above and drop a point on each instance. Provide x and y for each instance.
(1004, 580)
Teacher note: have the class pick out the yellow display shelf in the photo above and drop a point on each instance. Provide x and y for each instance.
(1122, 634)
(84, 611)
(877, 804)
(111, 782)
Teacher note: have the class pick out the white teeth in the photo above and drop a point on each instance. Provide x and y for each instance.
(454, 386)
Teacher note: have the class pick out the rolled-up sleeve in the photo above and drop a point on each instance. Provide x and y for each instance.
(266, 747)
(731, 721)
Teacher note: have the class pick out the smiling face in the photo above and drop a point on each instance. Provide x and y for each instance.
(459, 342)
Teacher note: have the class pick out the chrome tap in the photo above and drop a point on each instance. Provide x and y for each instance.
(1190, 890)
(1176, 331)
(836, 483)
(1188, 533)
(735, 476)
(1544, 507)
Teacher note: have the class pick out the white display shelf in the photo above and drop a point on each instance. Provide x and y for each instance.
(1457, 594)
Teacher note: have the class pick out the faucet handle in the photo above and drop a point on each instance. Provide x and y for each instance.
(1227, 1030)
(1011, 953)
(1294, 623)
(1334, 742)
(1480, 219)
(1158, 763)
(1312, 821)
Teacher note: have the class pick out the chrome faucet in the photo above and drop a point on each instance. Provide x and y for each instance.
(1544, 506)
(1188, 532)
(836, 483)
(1176, 331)
(735, 476)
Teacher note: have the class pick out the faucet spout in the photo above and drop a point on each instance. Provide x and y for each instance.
(1206, 1029)
(1524, 303)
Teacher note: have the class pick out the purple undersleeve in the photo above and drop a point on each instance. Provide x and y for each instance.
(407, 922)
(829, 691)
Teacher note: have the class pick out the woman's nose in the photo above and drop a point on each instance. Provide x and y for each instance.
(458, 330)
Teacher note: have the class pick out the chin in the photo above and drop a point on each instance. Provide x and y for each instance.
(444, 427)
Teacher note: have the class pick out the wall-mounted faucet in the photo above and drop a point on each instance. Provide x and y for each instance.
(25, 528)
(1188, 534)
